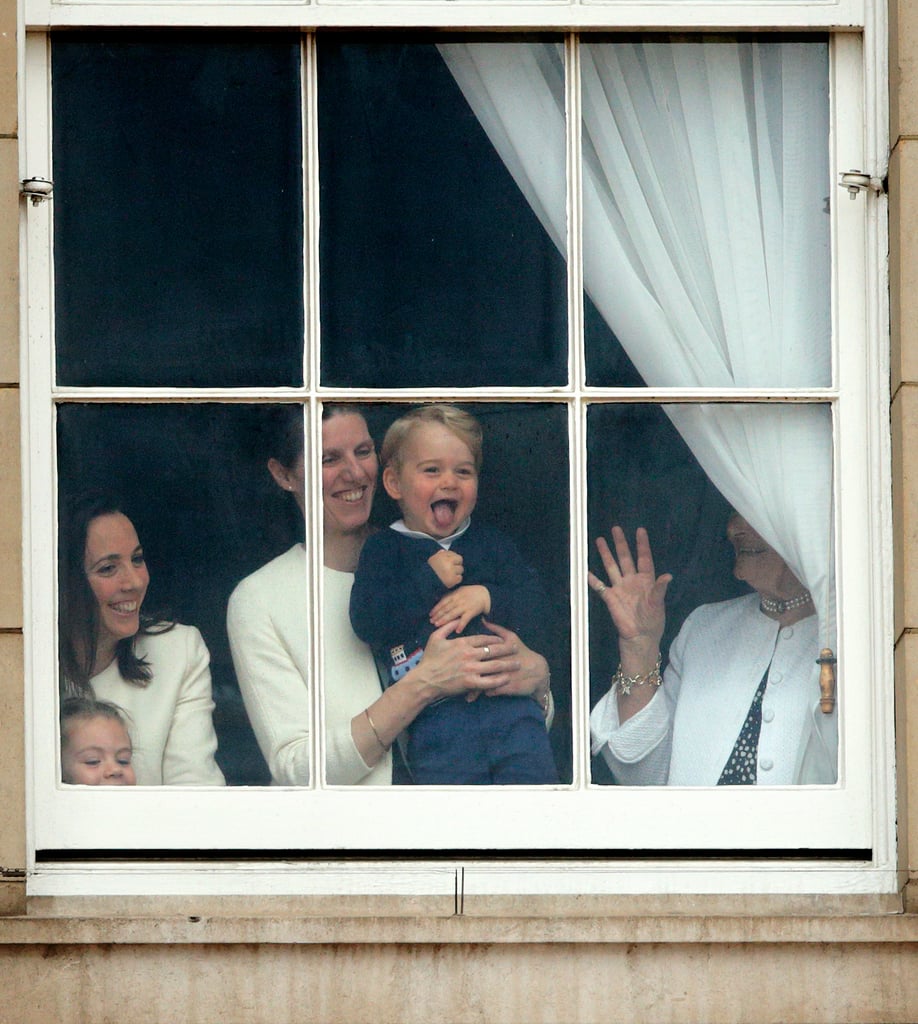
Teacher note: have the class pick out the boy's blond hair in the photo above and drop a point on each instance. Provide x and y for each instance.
(458, 422)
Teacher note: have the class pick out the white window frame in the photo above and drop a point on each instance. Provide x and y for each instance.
(856, 814)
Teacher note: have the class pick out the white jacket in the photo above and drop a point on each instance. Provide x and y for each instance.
(268, 625)
(684, 736)
(171, 718)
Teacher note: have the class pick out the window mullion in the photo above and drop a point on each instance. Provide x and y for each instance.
(580, 689)
(312, 413)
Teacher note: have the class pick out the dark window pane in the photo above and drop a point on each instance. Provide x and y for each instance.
(194, 482)
(177, 210)
(434, 269)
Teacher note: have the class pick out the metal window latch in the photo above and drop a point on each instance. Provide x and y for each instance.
(857, 181)
(36, 189)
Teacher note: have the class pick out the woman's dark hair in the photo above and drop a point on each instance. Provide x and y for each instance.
(78, 610)
(282, 433)
(282, 429)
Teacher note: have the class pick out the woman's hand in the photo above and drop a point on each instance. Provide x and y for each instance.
(501, 665)
(528, 671)
(635, 599)
(456, 665)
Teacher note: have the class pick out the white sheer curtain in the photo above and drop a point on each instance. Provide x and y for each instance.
(705, 242)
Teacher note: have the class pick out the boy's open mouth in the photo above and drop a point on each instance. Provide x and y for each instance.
(444, 511)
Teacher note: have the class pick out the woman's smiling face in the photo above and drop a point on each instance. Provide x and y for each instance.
(349, 472)
(758, 564)
(118, 577)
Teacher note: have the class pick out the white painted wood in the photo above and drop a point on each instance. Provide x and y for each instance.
(454, 14)
(856, 814)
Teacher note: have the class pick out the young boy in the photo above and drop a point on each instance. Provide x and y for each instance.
(434, 566)
(95, 746)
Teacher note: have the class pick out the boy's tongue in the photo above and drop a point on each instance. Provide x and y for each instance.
(443, 513)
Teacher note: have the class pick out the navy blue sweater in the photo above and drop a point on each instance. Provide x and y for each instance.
(395, 589)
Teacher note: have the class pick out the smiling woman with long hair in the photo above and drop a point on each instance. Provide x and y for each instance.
(156, 670)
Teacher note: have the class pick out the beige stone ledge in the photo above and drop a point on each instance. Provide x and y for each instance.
(195, 930)
(364, 906)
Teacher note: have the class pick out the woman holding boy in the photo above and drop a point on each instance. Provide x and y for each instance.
(267, 623)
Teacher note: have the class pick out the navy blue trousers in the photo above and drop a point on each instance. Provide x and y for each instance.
(496, 741)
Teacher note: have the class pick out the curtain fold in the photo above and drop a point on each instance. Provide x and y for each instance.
(705, 243)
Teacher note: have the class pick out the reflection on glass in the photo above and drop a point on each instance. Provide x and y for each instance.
(434, 267)
(431, 473)
(178, 210)
(728, 693)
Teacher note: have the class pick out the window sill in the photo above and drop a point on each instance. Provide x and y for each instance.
(386, 920)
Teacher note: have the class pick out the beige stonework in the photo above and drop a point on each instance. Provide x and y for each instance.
(9, 260)
(12, 756)
(432, 983)
(903, 69)
(906, 741)
(8, 104)
(10, 512)
(903, 261)
(905, 506)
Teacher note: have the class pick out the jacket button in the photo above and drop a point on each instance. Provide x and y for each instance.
(766, 764)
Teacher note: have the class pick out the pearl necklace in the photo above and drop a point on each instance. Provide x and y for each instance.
(771, 606)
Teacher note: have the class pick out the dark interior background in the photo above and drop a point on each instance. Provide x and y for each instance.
(433, 271)
(178, 209)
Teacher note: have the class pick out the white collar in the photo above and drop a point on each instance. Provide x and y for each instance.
(444, 542)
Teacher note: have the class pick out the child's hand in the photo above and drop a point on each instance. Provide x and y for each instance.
(462, 604)
(448, 566)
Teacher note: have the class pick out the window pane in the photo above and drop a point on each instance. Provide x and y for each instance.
(517, 546)
(434, 269)
(706, 200)
(177, 210)
(194, 483)
(720, 541)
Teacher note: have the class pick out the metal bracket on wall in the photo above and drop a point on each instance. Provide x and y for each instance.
(36, 189)
(857, 181)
